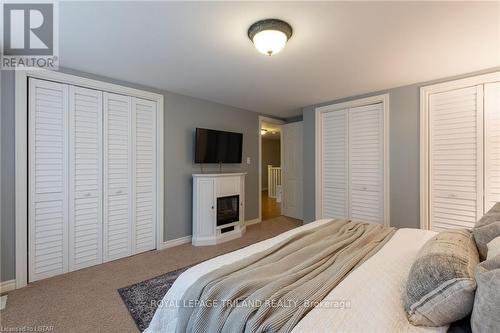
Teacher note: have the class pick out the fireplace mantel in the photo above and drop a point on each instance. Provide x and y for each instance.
(207, 188)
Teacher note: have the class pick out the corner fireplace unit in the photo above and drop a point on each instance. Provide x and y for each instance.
(218, 207)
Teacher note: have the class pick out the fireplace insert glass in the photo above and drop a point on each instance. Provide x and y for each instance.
(228, 209)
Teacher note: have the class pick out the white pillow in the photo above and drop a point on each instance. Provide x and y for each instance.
(493, 248)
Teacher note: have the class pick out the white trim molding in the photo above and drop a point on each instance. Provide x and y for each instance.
(272, 121)
(21, 154)
(175, 242)
(425, 93)
(187, 239)
(251, 222)
(384, 99)
(6, 286)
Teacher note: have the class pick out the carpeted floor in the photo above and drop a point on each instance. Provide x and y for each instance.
(87, 300)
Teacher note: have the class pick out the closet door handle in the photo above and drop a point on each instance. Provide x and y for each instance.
(87, 195)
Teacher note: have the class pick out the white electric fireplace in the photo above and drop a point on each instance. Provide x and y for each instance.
(218, 207)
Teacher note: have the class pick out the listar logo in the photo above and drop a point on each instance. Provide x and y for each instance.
(30, 35)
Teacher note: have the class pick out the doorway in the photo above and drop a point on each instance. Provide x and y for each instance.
(270, 168)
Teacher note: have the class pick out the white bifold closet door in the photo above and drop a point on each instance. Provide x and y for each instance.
(144, 170)
(117, 176)
(335, 164)
(366, 163)
(456, 158)
(129, 175)
(491, 144)
(92, 177)
(48, 179)
(353, 164)
(85, 177)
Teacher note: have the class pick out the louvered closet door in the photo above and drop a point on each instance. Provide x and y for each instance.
(144, 152)
(85, 168)
(335, 164)
(456, 157)
(366, 168)
(48, 179)
(491, 144)
(117, 177)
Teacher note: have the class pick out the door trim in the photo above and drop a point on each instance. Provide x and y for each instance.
(319, 111)
(425, 93)
(21, 154)
(273, 121)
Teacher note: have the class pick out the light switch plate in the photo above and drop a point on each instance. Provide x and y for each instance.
(248, 160)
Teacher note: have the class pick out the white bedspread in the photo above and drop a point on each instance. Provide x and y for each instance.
(372, 290)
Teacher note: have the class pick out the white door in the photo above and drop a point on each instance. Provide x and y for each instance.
(85, 177)
(144, 170)
(366, 163)
(117, 233)
(491, 144)
(292, 169)
(456, 158)
(48, 179)
(206, 209)
(335, 168)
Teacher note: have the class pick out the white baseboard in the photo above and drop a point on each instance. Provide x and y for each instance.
(176, 242)
(187, 239)
(6, 286)
(254, 221)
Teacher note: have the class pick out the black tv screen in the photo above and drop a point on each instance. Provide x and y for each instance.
(217, 146)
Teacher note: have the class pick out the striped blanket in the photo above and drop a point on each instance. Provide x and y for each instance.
(272, 290)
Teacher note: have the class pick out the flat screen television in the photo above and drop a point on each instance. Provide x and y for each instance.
(217, 146)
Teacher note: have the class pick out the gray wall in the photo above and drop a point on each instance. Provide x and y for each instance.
(270, 156)
(404, 153)
(7, 176)
(182, 115)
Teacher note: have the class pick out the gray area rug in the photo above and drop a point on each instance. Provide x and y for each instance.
(142, 298)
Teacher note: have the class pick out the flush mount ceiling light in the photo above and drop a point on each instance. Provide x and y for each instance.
(263, 131)
(270, 36)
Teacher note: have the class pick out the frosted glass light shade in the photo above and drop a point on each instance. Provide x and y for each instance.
(269, 42)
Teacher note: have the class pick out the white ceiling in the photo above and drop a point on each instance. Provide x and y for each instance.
(338, 49)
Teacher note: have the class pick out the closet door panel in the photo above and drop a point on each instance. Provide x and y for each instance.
(335, 164)
(117, 177)
(85, 168)
(491, 144)
(455, 159)
(48, 179)
(366, 153)
(144, 151)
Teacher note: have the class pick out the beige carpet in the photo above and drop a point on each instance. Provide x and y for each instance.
(87, 300)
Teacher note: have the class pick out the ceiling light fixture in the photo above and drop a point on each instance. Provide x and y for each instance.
(263, 131)
(270, 36)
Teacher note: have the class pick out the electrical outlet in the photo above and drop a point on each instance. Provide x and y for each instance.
(248, 160)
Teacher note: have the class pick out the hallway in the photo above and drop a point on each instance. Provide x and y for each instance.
(270, 208)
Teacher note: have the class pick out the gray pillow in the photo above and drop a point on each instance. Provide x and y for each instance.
(486, 229)
(486, 313)
(440, 287)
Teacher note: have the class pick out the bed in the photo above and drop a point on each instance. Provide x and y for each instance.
(368, 299)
